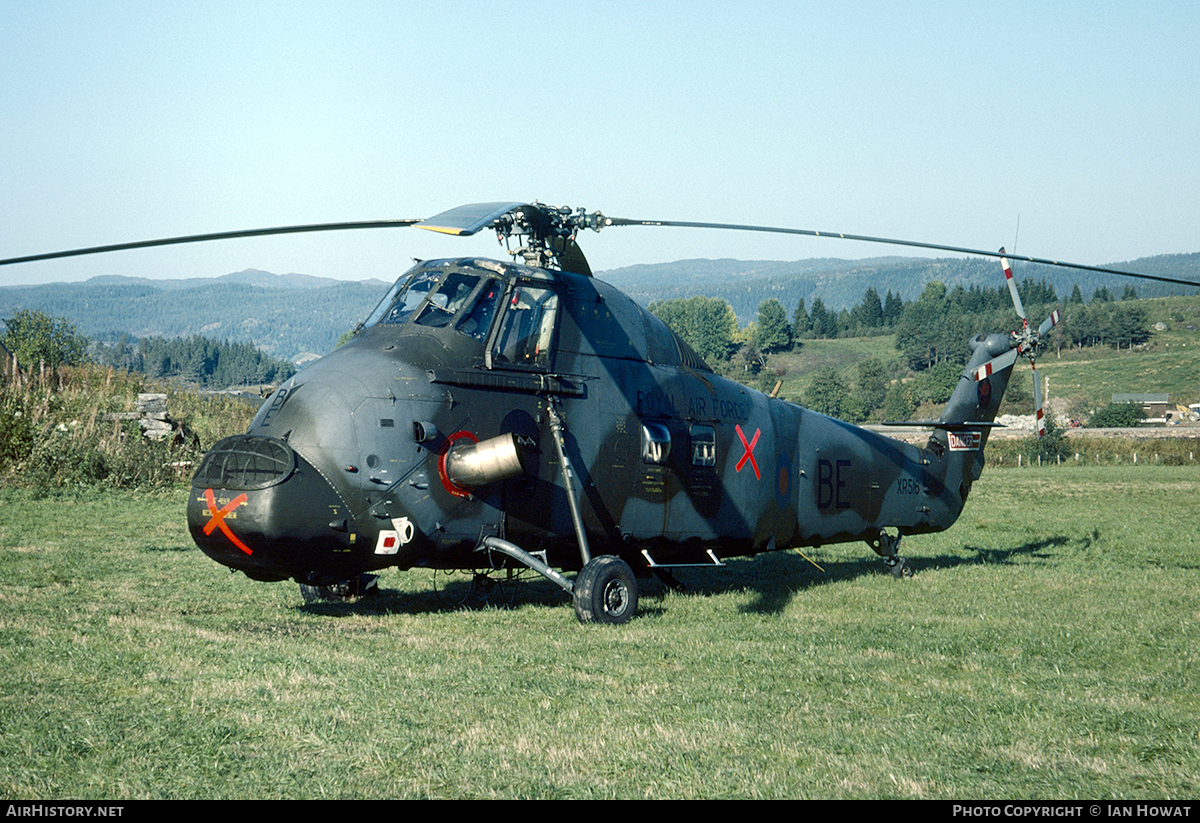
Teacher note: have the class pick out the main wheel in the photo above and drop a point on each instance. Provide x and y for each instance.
(364, 586)
(605, 591)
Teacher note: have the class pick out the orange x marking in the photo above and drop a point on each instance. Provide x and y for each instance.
(749, 455)
(217, 521)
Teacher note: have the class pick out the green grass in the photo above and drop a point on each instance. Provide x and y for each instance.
(1169, 363)
(802, 364)
(1047, 648)
(1093, 376)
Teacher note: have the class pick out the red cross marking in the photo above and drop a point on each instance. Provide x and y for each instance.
(749, 455)
(217, 521)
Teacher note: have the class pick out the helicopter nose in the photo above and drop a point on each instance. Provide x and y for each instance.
(259, 507)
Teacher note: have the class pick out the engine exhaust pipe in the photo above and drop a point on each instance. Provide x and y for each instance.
(469, 464)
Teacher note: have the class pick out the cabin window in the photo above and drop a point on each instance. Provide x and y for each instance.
(447, 300)
(704, 446)
(526, 329)
(656, 443)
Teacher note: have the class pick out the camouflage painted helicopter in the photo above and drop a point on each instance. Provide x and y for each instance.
(496, 415)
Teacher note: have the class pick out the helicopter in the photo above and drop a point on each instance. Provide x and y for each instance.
(500, 415)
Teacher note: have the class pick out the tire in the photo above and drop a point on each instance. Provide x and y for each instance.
(605, 591)
(364, 585)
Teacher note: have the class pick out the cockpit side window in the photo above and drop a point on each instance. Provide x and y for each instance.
(447, 300)
(478, 319)
(526, 329)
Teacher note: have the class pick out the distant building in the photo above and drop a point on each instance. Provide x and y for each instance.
(1154, 405)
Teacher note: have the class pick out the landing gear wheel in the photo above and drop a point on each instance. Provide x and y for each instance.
(605, 591)
(363, 586)
(899, 567)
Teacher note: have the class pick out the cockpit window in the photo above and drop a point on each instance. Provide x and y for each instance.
(526, 330)
(447, 300)
(407, 301)
(479, 318)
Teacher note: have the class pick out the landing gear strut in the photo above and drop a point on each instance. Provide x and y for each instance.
(604, 591)
(887, 546)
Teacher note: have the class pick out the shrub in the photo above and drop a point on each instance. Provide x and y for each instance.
(16, 431)
(1117, 416)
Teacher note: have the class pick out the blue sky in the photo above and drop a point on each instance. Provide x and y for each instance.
(940, 122)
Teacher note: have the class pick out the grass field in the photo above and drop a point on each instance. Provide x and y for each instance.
(1048, 647)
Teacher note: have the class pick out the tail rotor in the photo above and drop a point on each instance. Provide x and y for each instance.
(1024, 342)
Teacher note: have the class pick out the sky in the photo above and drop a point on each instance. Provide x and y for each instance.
(1063, 130)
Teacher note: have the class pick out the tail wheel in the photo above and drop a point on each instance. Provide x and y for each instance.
(605, 591)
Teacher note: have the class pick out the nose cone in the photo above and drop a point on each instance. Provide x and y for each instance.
(259, 507)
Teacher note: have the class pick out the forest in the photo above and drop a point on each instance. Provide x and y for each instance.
(929, 330)
(196, 360)
(44, 343)
(931, 333)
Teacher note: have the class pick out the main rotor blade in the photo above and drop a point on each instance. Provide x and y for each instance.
(466, 220)
(621, 221)
(222, 235)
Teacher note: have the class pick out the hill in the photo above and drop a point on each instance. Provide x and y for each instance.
(841, 283)
(1081, 380)
(286, 315)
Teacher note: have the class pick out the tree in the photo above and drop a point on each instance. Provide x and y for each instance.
(901, 401)
(1052, 445)
(893, 308)
(869, 313)
(1117, 416)
(774, 333)
(801, 324)
(707, 324)
(871, 384)
(932, 331)
(827, 394)
(823, 324)
(1130, 325)
(36, 338)
(939, 382)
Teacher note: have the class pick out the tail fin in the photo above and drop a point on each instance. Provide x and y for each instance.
(979, 391)
(977, 396)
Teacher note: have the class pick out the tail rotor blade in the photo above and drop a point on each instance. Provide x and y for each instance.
(994, 365)
(1012, 285)
(1049, 323)
(1039, 412)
